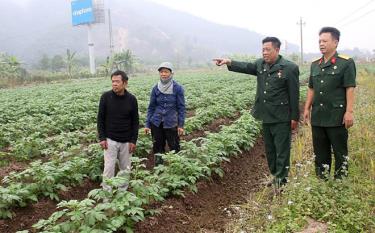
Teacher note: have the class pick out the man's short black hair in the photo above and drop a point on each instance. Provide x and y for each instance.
(335, 33)
(274, 40)
(124, 77)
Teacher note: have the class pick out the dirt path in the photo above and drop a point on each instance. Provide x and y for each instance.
(210, 209)
(12, 166)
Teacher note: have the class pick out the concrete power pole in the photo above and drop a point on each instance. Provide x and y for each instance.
(301, 24)
(91, 49)
(111, 45)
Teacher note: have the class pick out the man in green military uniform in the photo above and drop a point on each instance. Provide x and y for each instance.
(276, 103)
(330, 99)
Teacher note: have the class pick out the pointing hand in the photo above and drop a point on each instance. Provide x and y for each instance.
(222, 61)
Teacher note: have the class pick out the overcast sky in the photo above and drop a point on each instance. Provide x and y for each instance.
(355, 19)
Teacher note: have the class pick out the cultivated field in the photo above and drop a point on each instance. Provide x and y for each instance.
(51, 163)
(49, 132)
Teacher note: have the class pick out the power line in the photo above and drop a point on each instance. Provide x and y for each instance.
(358, 18)
(353, 12)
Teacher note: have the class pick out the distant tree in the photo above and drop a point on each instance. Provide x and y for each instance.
(124, 60)
(82, 61)
(177, 58)
(107, 66)
(13, 61)
(57, 63)
(294, 57)
(10, 67)
(45, 62)
(70, 62)
(190, 61)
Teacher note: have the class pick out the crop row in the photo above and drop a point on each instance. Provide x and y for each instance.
(43, 118)
(108, 211)
(49, 178)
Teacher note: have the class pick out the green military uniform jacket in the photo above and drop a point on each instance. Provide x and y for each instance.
(277, 96)
(329, 81)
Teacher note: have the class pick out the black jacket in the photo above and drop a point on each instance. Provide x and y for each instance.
(118, 117)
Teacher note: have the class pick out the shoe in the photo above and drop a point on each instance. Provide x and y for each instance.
(158, 160)
(270, 183)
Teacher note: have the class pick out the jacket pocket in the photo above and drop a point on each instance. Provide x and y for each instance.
(337, 112)
(339, 104)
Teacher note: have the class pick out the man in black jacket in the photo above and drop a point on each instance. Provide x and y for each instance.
(118, 124)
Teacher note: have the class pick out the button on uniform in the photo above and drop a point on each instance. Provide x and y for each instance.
(327, 125)
(328, 80)
(273, 108)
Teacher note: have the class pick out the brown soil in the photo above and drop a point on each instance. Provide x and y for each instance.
(25, 217)
(204, 210)
(190, 113)
(210, 209)
(213, 127)
(13, 166)
(314, 226)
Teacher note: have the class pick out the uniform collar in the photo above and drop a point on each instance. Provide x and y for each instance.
(277, 65)
(331, 61)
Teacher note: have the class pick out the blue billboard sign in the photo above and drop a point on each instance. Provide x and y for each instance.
(82, 12)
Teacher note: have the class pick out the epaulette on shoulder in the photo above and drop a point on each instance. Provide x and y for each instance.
(316, 59)
(346, 57)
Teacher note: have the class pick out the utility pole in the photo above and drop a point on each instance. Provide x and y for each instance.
(91, 49)
(301, 23)
(111, 45)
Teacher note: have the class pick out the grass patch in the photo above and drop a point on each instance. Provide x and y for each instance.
(343, 206)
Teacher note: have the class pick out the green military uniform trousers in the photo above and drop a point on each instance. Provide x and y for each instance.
(323, 138)
(330, 80)
(277, 138)
(276, 104)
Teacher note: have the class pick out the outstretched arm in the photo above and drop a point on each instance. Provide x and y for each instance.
(235, 66)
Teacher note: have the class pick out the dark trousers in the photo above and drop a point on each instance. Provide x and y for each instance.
(277, 138)
(325, 138)
(161, 136)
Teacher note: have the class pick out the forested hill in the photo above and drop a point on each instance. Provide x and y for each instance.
(152, 31)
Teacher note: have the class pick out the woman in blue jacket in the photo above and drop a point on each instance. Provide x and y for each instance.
(166, 113)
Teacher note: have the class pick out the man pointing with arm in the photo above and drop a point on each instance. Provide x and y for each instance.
(276, 103)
